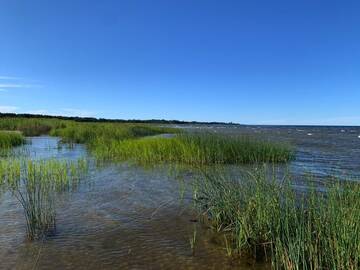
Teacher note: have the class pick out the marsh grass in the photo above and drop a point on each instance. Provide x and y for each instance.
(10, 139)
(30, 126)
(269, 220)
(101, 133)
(35, 184)
(193, 240)
(194, 149)
(81, 132)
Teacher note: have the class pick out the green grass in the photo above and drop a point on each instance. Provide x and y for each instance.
(193, 149)
(9, 139)
(126, 141)
(80, 132)
(90, 133)
(269, 220)
(30, 126)
(36, 184)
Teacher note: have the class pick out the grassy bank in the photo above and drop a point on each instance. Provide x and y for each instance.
(193, 149)
(10, 139)
(270, 221)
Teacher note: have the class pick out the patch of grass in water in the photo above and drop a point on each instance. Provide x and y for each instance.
(194, 149)
(271, 221)
(30, 126)
(80, 132)
(95, 133)
(10, 139)
(35, 184)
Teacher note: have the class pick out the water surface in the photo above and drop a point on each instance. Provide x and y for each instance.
(129, 217)
(122, 217)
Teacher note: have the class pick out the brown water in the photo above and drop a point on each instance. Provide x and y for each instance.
(122, 217)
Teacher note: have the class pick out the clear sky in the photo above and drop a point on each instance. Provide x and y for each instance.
(254, 62)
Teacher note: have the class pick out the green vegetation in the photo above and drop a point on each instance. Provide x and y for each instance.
(10, 139)
(102, 133)
(35, 185)
(192, 240)
(125, 141)
(256, 213)
(193, 149)
(30, 127)
(81, 132)
(270, 220)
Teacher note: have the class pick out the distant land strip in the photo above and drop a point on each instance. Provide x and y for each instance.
(93, 119)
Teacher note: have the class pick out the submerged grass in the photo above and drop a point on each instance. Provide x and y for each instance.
(35, 184)
(269, 220)
(194, 149)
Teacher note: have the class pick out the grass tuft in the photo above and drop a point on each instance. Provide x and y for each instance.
(269, 220)
(35, 184)
(9, 139)
(194, 149)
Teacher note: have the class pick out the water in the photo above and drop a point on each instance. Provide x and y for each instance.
(128, 217)
(320, 151)
(122, 217)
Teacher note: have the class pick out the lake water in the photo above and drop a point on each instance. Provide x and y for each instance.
(320, 151)
(129, 217)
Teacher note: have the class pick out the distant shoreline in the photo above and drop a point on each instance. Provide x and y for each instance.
(157, 121)
(93, 119)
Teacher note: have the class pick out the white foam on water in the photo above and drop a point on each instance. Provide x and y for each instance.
(309, 134)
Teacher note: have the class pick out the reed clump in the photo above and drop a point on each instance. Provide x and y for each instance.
(9, 139)
(80, 132)
(271, 221)
(93, 133)
(194, 149)
(31, 126)
(35, 184)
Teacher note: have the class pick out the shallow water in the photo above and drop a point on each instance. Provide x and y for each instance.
(320, 151)
(128, 217)
(122, 217)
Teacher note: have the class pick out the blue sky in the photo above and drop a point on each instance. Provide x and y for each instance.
(253, 62)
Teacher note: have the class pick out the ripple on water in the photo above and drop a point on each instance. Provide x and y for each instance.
(127, 217)
(123, 217)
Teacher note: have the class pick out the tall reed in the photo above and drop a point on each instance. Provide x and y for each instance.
(30, 126)
(270, 220)
(194, 149)
(10, 139)
(36, 184)
(92, 133)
